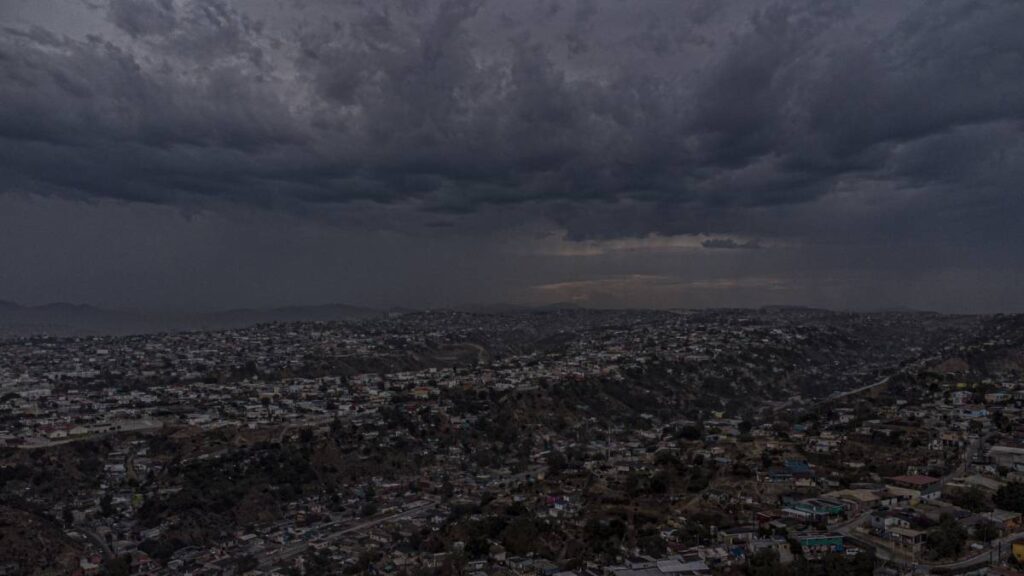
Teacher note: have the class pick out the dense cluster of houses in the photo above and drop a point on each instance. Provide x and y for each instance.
(780, 474)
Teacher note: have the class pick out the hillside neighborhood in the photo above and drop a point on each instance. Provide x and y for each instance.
(557, 443)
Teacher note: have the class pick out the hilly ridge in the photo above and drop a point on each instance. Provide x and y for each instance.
(63, 319)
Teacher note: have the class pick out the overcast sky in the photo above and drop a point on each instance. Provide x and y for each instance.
(201, 154)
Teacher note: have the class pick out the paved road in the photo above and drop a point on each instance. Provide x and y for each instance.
(1000, 548)
(104, 547)
(846, 527)
(997, 551)
(129, 465)
(915, 364)
(142, 425)
(333, 531)
(970, 451)
(883, 551)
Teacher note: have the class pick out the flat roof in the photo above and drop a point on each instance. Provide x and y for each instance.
(916, 479)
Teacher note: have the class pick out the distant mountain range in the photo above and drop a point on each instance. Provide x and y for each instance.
(62, 319)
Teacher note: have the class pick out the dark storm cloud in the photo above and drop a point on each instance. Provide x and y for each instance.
(143, 17)
(721, 122)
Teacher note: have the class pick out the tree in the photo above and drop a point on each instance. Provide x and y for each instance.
(972, 499)
(318, 564)
(118, 566)
(1010, 497)
(764, 562)
(659, 483)
(690, 432)
(556, 462)
(652, 545)
(947, 540)
(986, 532)
(862, 564)
(604, 536)
(668, 459)
(368, 509)
(246, 563)
(700, 480)
(337, 428)
(520, 536)
(106, 504)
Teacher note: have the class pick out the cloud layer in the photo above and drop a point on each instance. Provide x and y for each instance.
(849, 124)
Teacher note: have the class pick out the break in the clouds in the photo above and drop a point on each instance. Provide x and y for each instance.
(860, 142)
